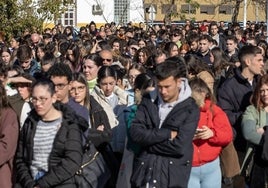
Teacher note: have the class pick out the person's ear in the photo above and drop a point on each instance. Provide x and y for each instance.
(178, 80)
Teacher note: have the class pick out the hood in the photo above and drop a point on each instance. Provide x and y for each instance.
(185, 90)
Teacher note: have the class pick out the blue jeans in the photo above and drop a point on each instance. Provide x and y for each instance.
(39, 175)
(206, 176)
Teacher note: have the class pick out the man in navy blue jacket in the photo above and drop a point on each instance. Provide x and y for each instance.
(234, 94)
(164, 128)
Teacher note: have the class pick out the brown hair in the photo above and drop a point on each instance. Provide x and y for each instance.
(256, 97)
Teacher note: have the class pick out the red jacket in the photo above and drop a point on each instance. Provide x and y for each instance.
(215, 118)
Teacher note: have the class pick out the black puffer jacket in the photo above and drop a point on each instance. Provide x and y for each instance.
(163, 162)
(65, 157)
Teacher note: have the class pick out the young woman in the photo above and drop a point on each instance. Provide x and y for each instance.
(222, 69)
(40, 51)
(6, 55)
(213, 132)
(99, 127)
(9, 133)
(114, 101)
(134, 70)
(15, 42)
(73, 55)
(141, 56)
(91, 65)
(254, 122)
(198, 68)
(50, 145)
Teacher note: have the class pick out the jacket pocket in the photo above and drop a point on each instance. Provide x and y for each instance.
(142, 171)
(179, 170)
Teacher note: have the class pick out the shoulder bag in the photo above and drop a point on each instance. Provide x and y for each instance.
(94, 172)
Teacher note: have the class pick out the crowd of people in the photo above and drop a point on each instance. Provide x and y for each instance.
(189, 103)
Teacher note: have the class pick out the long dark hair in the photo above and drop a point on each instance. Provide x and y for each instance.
(220, 61)
(79, 77)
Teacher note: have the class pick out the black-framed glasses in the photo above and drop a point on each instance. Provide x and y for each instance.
(79, 89)
(60, 86)
(42, 100)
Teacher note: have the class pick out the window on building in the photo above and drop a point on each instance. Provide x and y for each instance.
(166, 8)
(188, 9)
(121, 11)
(69, 17)
(225, 9)
(207, 9)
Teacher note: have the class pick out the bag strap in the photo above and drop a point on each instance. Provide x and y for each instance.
(79, 172)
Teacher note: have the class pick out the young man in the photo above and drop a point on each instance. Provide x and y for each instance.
(61, 75)
(193, 41)
(234, 94)
(26, 61)
(204, 48)
(164, 128)
(231, 48)
(214, 33)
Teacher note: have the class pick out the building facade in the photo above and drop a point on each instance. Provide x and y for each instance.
(103, 11)
(205, 10)
(124, 11)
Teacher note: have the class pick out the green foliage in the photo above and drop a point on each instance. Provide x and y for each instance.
(16, 16)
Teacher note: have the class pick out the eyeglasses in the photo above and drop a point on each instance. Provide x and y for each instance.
(108, 60)
(42, 100)
(175, 35)
(79, 89)
(60, 86)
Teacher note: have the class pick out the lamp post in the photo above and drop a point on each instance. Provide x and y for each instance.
(267, 21)
(245, 14)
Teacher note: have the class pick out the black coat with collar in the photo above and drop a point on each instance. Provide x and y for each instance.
(234, 97)
(171, 161)
(66, 155)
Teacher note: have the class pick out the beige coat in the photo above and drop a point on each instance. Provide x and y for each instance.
(98, 94)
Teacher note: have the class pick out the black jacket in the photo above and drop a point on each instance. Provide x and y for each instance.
(162, 162)
(98, 117)
(65, 157)
(234, 97)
